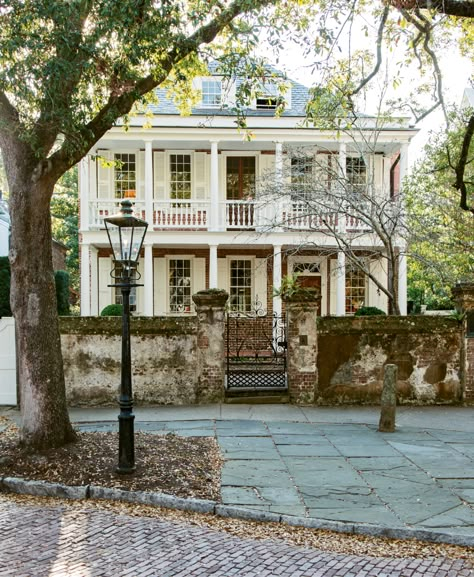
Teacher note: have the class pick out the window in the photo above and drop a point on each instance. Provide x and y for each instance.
(268, 97)
(211, 93)
(133, 290)
(180, 285)
(356, 173)
(356, 285)
(125, 179)
(240, 177)
(180, 176)
(307, 268)
(240, 285)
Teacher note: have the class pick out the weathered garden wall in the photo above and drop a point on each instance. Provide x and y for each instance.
(353, 351)
(164, 359)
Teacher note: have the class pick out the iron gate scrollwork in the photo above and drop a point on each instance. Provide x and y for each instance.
(256, 350)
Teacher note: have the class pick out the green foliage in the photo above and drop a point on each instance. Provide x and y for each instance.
(61, 279)
(112, 311)
(368, 312)
(291, 289)
(440, 235)
(64, 222)
(5, 310)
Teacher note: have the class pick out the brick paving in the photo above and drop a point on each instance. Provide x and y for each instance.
(57, 541)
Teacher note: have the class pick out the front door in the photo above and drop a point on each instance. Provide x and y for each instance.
(312, 282)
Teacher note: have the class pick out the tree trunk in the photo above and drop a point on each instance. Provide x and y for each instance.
(45, 420)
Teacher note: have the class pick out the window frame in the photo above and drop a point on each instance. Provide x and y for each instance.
(251, 261)
(190, 306)
(217, 93)
(131, 183)
(175, 153)
(349, 307)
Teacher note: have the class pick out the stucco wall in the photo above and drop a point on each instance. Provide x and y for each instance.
(353, 351)
(164, 360)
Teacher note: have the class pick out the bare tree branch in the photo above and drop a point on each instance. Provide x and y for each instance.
(461, 8)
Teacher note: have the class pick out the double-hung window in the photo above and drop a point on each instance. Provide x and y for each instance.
(125, 175)
(179, 285)
(211, 93)
(356, 289)
(240, 286)
(180, 176)
(356, 174)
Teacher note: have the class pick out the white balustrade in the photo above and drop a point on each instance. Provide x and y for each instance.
(181, 214)
(100, 209)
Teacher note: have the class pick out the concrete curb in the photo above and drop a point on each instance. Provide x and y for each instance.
(44, 489)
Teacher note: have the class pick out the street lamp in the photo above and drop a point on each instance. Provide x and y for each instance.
(126, 233)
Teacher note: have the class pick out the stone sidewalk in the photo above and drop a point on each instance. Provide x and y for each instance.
(332, 464)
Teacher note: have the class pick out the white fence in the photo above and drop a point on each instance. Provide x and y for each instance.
(7, 362)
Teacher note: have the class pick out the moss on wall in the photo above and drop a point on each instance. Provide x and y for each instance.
(167, 326)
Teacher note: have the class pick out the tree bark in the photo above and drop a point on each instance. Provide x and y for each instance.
(45, 420)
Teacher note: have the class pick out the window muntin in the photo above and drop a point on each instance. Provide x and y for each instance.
(240, 286)
(356, 289)
(180, 285)
(133, 290)
(211, 93)
(356, 173)
(307, 268)
(125, 175)
(180, 176)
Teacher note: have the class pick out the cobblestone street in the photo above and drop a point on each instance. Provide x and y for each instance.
(59, 541)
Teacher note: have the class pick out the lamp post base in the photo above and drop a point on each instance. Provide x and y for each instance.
(126, 464)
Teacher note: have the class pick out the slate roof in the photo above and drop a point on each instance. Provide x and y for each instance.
(299, 97)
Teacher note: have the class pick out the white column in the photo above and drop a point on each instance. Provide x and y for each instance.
(85, 281)
(94, 283)
(402, 283)
(342, 159)
(214, 221)
(148, 281)
(403, 163)
(278, 160)
(84, 177)
(277, 278)
(341, 284)
(213, 266)
(149, 182)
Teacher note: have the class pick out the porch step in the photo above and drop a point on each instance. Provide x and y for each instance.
(256, 397)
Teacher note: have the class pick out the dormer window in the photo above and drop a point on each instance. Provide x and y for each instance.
(211, 93)
(268, 97)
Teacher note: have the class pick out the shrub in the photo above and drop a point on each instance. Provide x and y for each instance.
(368, 312)
(5, 310)
(61, 278)
(112, 311)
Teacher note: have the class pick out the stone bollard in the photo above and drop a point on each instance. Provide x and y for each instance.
(389, 399)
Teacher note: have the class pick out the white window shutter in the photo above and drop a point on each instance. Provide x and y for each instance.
(105, 292)
(260, 280)
(160, 278)
(140, 176)
(140, 289)
(159, 183)
(376, 298)
(105, 176)
(266, 163)
(201, 188)
(332, 285)
(222, 274)
(199, 275)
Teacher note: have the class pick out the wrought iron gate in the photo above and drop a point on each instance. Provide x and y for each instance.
(256, 351)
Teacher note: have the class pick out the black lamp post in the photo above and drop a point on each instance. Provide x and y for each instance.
(126, 233)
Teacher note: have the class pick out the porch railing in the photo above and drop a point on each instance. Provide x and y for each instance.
(230, 215)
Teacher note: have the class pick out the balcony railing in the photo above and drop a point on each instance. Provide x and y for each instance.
(230, 215)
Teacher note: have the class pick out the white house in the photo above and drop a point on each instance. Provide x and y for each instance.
(195, 180)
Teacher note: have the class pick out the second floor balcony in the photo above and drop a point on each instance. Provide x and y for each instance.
(253, 215)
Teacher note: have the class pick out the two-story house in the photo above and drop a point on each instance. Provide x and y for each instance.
(195, 180)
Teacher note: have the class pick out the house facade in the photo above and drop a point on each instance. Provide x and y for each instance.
(198, 181)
